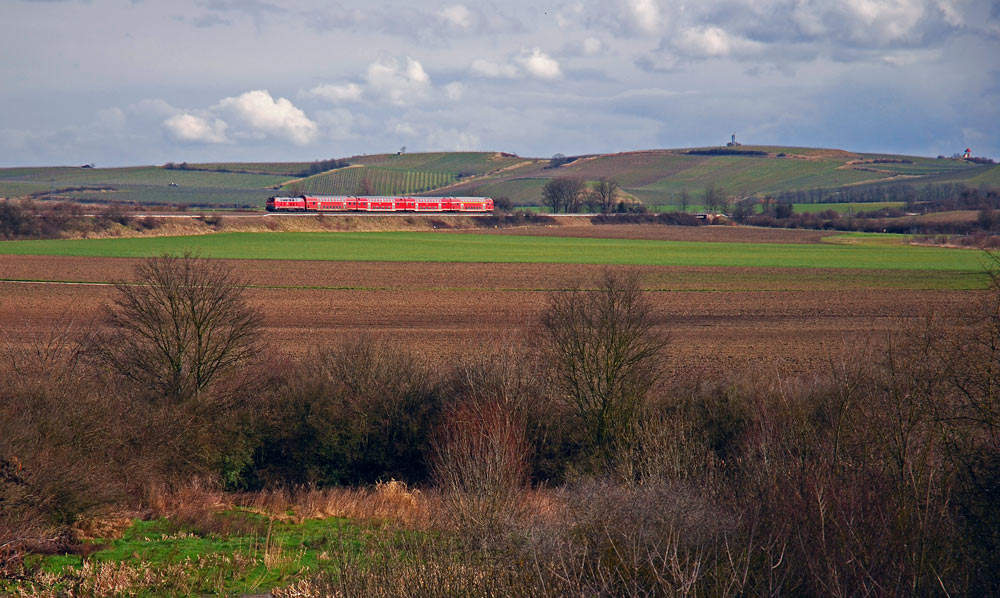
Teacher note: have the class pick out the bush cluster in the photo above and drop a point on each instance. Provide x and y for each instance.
(29, 219)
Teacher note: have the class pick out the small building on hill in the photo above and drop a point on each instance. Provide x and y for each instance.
(733, 142)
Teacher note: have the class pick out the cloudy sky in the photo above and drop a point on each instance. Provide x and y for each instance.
(120, 82)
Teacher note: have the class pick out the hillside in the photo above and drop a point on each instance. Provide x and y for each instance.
(655, 177)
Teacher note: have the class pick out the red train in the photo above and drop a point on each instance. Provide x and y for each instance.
(380, 203)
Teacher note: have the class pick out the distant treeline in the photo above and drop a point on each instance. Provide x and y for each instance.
(780, 212)
(314, 168)
(27, 219)
(323, 166)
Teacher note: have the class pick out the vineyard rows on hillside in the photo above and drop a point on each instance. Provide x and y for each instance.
(371, 181)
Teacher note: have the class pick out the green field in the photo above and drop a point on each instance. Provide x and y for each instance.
(141, 175)
(520, 191)
(284, 169)
(452, 163)
(145, 184)
(844, 208)
(978, 175)
(446, 247)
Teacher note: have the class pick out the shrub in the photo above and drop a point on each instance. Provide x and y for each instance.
(63, 441)
(604, 352)
(480, 464)
(358, 413)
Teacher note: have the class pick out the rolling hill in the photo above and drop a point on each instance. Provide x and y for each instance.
(655, 177)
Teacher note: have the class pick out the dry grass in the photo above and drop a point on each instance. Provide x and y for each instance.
(198, 502)
(175, 225)
(386, 501)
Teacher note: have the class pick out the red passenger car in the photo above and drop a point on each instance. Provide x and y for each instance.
(378, 203)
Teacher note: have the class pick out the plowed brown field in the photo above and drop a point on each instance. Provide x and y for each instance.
(717, 318)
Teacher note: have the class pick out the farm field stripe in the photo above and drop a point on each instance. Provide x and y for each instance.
(450, 289)
(439, 247)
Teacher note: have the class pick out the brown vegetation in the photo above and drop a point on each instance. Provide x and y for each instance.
(875, 475)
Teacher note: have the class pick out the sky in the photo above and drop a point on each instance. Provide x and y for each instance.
(129, 82)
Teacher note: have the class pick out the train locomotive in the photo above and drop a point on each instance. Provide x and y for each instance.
(377, 203)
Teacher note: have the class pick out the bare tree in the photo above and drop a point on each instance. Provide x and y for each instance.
(181, 325)
(564, 193)
(715, 199)
(365, 186)
(684, 200)
(606, 190)
(558, 160)
(605, 349)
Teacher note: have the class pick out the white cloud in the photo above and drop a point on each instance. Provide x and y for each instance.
(347, 92)
(112, 118)
(645, 14)
(663, 60)
(871, 22)
(539, 64)
(266, 115)
(535, 63)
(337, 124)
(453, 140)
(454, 91)
(154, 107)
(457, 15)
(404, 129)
(951, 13)
(494, 70)
(195, 129)
(704, 42)
(893, 19)
(904, 58)
(570, 14)
(591, 46)
(401, 86)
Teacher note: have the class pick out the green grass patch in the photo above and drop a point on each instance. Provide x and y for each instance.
(867, 239)
(444, 247)
(183, 560)
(846, 207)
